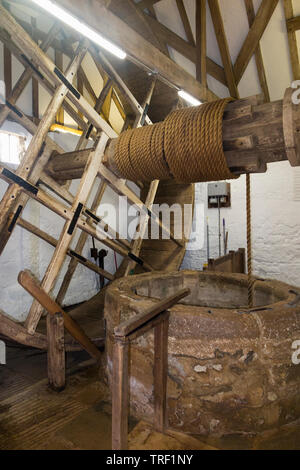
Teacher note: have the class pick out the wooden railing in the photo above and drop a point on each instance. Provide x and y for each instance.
(233, 262)
(157, 318)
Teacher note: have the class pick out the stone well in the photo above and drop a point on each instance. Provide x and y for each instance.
(230, 370)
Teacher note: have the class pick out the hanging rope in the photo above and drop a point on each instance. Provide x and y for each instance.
(249, 244)
(187, 146)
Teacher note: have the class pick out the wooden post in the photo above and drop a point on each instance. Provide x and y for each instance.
(120, 395)
(160, 374)
(56, 352)
(27, 280)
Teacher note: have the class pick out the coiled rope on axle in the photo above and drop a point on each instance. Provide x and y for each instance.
(187, 146)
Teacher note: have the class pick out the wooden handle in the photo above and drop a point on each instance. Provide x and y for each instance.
(30, 284)
(127, 327)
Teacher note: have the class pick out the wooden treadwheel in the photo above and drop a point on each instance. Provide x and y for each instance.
(34, 177)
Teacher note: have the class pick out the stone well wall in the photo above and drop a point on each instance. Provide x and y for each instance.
(230, 370)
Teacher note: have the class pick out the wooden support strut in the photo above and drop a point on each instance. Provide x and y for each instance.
(157, 317)
(27, 280)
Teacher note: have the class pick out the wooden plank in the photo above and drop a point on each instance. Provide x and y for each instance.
(289, 14)
(258, 53)
(7, 70)
(223, 46)
(201, 42)
(59, 63)
(74, 254)
(293, 24)
(68, 232)
(161, 375)
(129, 326)
(143, 20)
(120, 396)
(254, 35)
(56, 352)
(27, 280)
(35, 83)
(97, 16)
(186, 22)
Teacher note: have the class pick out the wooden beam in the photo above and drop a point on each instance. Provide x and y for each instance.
(254, 35)
(293, 45)
(138, 49)
(56, 355)
(201, 72)
(293, 24)
(186, 22)
(161, 374)
(30, 284)
(146, 4)
(258, 53)
(143, 19)
(120, 395)
(59, 63)
(187, 50)
(223, 46)
(7, 71)
(26, 76)
(35, 84)
(128, 327)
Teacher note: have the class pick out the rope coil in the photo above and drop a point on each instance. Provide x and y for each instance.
(187, 146)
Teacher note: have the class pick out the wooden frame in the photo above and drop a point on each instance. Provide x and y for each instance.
(156, 318)
(31, 173)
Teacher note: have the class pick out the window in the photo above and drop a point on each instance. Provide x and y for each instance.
(12, 147)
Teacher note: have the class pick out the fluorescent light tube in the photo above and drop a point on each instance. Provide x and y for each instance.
(80, 27)
(189, 98)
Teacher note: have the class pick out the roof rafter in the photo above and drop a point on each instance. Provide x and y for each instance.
(254, 35)
(186, 22)
(139, 50)
(258, 53)
(289, 15)
(201, 61)
(186, 49)
(223, 46)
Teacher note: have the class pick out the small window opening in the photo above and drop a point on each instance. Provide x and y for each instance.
(12, 147)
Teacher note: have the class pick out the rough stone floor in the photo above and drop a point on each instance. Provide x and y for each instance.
(34, 417)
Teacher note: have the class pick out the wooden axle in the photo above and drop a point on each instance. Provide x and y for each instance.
(254, 134)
